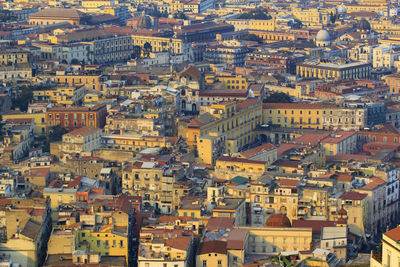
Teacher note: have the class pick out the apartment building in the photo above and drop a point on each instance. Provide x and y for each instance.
(26, 225)
(112, 49)
(390, 250)
(297, 115)
(158, 186)
(80, 141)
(64, 95)
(76, 117)
(334, 70)
(235, 120)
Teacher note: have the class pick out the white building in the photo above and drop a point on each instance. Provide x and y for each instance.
(385, 55)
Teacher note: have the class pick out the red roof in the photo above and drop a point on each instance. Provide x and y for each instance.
(288, 183)
(257, 150)
(374, 183)
(215, 246)
(344, 178)
(216, 224)
(394, 234)
(338, 137)
(241, 160)
(353, 196)
(181, 243)
(314, 224)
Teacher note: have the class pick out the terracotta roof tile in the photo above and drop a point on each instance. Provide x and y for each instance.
(234, 159)
(215, 246)
(394, 234)
(181, 243)
(257, 150)
(353, 196)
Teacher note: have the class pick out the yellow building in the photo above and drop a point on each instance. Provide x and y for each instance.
(160, 44)
(356, 206)
(60, 196)
(241, 164)
(38, 118)
(134, 142)
(81, 141)
(334, 70)
(212, 253)
(312, 16)
(9, 57)
(232, 123)
(297, 115)
(229, 82)
(64, 96)
(376, 8)
(158, 186)
(282, 198)
(89, 81)
(341, 142)
(390, 255)
(110, 240)
(274, 240)
(273, 37)
(91, 98)
(98, 3)
(190, 208)
(253, 24)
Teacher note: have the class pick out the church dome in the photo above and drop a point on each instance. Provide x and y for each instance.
(323, 36)
(364, 26)
(341, 9)
(144, 22)
(278, 220)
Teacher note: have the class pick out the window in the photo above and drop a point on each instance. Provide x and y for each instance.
(219, 262)
(121, 243)
(204, 263)
(98, 243)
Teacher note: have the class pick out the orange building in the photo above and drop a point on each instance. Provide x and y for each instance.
(75, 117)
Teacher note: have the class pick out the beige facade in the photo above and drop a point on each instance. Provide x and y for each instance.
(81, 140)
(390, 250)
(273, 240)
(271, 200)
(158, 187)
(348, 119)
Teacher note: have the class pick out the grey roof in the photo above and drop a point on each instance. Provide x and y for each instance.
(333, 232)
(31, 229)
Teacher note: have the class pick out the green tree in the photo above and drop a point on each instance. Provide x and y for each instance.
(55, 134)
(24, 97)
(251, 37)
(333, 18)
(147, 49)
(278, 97)
(256, 14)
(136, 51)
(180, 15)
